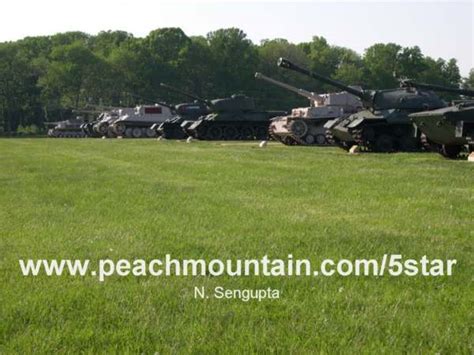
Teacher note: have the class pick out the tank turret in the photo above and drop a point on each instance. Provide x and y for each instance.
(403, 98)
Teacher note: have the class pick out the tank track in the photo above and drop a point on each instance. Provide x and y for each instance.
(242, 132)
(401, 142)
(334, 141)
(427, 145)
(65, 134)
(274, 136)
(359, 140)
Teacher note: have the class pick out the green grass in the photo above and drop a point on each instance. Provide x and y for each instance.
(93, 199)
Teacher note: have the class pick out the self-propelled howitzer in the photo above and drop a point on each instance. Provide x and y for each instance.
(384, 126)
(305, 125)
(452, 127)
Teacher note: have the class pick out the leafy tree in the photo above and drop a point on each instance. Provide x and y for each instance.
(269, 51)
(235, 60)
(43, 78)
(469, 81)
(74, 75)
(106, 41)
(381, 64)
(16, 85)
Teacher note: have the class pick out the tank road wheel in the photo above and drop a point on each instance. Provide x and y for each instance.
(309, 139)
(451, 151)
(384, 144)
(120, 129)
(408, 144)
(150, 133)
(321, 139)
(298, 128)
(247, 133)
(136, 132)
(214, 133)
(231, 133)
(102, 128)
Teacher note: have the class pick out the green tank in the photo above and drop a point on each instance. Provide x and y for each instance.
(450, 128)
(384, 125)
(183, 113)
(230, 118)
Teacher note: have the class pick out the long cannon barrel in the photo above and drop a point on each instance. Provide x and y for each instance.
(194, 97)
(465, 92)
(302, 92)
(285, 63)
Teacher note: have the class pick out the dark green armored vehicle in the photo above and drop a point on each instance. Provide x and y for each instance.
(184, 112)
(233, 118)
(230, 118)
(451, 128)
(384, 125)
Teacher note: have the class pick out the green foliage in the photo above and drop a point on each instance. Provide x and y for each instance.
(43, 78)
(469, 81)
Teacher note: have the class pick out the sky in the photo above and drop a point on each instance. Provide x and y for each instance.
(440, 28)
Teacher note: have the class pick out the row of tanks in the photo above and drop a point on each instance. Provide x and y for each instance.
(408, 118)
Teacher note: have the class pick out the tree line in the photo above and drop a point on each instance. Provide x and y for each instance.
(49, 78)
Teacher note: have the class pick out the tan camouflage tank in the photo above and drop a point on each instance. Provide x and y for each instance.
(305, 125)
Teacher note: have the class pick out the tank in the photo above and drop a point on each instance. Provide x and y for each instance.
(450, 128)
(137, 123)
(230, 118)
(102, 127)
(183, 113)
(305, 125)
(66, 129)
(384, 125)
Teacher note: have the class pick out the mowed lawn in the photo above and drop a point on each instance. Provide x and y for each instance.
(98, 199)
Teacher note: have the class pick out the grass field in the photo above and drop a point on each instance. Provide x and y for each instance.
(98, 199)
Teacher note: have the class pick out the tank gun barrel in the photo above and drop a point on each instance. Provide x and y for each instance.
(302, 92)
(433, 87)
(184, 93)
(285, 63)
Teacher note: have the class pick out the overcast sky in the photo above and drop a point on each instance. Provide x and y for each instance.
(441, 28)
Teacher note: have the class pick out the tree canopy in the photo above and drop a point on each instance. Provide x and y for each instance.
(45, 78)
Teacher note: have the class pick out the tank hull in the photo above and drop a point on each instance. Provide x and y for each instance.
(132, 129)
(452, 128)
(386, 131)
(172, 128)
(66, 133)
(66, 129)
(291, 130)
(233, 126)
